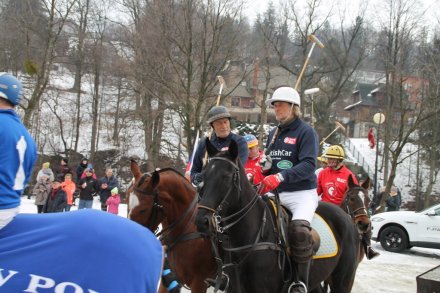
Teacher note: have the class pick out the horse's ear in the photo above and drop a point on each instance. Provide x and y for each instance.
(367, 184)
(135, 169)
(351, 183)
(233, 149)
(155, 178)
(212, 150)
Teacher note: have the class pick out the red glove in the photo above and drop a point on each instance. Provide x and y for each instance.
(270, 183)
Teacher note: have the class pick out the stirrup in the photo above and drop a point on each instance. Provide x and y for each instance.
(297, 287)
(371, 253)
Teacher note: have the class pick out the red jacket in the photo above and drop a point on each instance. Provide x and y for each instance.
(332, 184)
(253, 169)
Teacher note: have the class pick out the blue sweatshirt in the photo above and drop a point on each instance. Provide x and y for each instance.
(221, 144)
(81, 251)
(294, 155)
(18, 154)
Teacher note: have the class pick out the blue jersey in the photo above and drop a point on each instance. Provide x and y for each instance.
(80, 251)
(17, 157)
(294, 155)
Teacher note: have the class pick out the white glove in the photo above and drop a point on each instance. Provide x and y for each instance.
(265, 163)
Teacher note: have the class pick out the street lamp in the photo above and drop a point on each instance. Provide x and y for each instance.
(378, 118)
(311, 92)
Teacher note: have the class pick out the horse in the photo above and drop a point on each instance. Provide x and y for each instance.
(256, 259)
(355, 203)
(166, 197)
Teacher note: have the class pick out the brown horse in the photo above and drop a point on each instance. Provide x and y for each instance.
(166, 197)
(355, 203)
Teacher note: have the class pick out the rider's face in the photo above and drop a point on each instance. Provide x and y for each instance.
(222, 127)
(283, 110)
(333, 163)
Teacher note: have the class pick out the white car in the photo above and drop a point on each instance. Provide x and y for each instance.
(400, 230)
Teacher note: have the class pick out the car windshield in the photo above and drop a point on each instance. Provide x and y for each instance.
(424, 210)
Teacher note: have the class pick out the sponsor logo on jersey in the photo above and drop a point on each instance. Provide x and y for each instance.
(280, 153)
(290, 140)
(284, 164)
(224, 148)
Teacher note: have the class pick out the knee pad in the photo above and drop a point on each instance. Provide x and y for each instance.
(301, 241)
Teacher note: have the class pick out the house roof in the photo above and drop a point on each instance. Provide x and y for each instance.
(365, 90)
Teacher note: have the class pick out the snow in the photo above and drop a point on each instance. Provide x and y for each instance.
(388, 273)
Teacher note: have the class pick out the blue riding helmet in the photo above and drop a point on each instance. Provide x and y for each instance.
(10, 88)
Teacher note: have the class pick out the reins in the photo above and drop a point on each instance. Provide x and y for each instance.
(355, 213)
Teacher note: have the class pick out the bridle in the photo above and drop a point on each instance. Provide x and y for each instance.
(357, 212)
(165, 234)
(221, 224)
(157, 206)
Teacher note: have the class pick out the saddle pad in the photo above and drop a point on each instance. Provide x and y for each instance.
(328, 247)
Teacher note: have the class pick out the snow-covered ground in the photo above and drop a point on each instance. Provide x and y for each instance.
(388, 273)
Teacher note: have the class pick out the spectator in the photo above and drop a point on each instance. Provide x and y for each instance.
(88, 188)
(105, 185)
(41, 191)
(18, 151)
(81, 168)
(113, 201)
(252, 167)
(56, 201)
(69, 187)
(46, 171)
(219, 119)
(392, 202)
(63, 169)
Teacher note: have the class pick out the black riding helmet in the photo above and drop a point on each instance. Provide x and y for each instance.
(217, 112)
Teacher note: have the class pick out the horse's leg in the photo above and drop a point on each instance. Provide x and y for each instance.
(162, 288)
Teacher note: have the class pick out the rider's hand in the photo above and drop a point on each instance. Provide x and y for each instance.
(265, 163)
(270, 183)
(197, 179)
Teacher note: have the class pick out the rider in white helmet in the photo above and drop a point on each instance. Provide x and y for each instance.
(292, 148)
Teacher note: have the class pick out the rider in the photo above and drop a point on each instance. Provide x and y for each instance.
(292, 148)
(333, 183)
(219, 119)
(27, 238)
(252, 167)
(18, 152)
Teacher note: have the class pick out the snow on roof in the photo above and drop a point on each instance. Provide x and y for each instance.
(349, 107)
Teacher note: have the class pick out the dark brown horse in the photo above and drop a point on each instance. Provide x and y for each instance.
(166, 197)
(355, 203)
(253, 253)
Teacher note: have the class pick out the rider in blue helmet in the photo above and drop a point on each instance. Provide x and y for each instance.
(17, 149)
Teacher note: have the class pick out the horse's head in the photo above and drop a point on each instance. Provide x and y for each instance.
(144, 205)
(356, 202)
(222, 182)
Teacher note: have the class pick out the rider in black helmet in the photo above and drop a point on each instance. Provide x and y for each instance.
(219, 119)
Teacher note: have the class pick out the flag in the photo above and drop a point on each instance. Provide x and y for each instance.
(371, 139)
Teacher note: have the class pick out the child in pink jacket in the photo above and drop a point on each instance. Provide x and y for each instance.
(113, 202)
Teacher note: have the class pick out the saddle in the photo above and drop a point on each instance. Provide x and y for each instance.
(286, 216)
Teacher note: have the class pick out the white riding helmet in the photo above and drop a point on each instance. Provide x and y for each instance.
(285, 94)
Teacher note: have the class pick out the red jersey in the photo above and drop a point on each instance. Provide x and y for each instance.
(253, 169)
(332, 184)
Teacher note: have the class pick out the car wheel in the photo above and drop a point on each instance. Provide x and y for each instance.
(393, 239)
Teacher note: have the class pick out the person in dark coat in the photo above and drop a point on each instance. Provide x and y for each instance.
(392, 203)
(88, 187)
(105, 185)
(81, 168)
(63, 169)
(57, 199)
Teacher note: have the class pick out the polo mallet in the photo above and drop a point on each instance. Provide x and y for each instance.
(338, 126)
(315, 41)
(221, 80)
